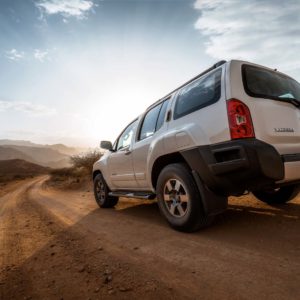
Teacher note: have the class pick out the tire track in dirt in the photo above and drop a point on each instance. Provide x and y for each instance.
(45, 259)
(63, 246)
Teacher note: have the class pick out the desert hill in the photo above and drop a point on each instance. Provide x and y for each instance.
(18, 168)
(58, 147)
(7, 153)
(43, 156)
(53, 156)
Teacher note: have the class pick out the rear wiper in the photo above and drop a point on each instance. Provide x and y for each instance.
(294, 101)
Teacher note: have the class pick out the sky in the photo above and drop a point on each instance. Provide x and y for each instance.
(78, 71)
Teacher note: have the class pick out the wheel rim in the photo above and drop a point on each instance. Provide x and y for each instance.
(176, 198)
(100, 190)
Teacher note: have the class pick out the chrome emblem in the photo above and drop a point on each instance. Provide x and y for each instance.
(284, 130)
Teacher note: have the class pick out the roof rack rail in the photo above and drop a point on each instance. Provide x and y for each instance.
(216, 65)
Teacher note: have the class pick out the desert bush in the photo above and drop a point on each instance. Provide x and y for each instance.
(85, 160)
(80, 171)
(62, 172)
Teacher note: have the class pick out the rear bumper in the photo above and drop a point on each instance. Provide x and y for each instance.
(232, 167)
(291, 171)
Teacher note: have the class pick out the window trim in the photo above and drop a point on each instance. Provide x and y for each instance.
(178, 116)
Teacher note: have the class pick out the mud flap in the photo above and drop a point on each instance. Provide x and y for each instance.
(213, 204)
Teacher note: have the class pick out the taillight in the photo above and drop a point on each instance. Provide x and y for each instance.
(240, 122)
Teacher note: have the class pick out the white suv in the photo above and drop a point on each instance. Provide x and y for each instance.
(234, 128)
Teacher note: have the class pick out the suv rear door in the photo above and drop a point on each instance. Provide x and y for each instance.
(272, 98)
(152, 122)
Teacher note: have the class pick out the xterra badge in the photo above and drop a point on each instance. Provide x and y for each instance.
(284, 129)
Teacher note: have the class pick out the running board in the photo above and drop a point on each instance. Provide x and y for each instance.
(139, 195)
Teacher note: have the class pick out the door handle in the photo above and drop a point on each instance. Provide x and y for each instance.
(127, 152)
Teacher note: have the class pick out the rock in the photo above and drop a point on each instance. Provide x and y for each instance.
(107, 272)
(107, 279)
(100, 248)
(125, 289)
(81, 269)
(97, 290)
(136, 248)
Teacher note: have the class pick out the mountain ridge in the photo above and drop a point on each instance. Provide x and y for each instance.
(59, 146)
(19, 168)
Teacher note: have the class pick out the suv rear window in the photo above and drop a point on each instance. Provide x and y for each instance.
(262, 83)
(200, 93)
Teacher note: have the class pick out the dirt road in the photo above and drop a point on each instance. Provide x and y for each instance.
(60, 245)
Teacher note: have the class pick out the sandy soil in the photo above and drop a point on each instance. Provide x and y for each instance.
(60, 245)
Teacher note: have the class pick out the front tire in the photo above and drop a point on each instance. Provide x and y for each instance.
(179, 200)
(101, 191)
(277, 196)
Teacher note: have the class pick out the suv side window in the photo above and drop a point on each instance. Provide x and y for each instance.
(149, 122)
(126, 137)
(198, 94)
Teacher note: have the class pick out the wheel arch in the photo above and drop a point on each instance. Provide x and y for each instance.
(213, 204)
(95, 173)
(162, 162)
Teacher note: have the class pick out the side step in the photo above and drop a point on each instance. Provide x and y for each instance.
(139, 195)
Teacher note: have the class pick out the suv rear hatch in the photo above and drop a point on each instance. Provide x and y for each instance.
(274, 103)
(273, 99)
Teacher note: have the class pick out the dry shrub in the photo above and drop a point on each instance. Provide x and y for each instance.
(85, 160)
(79, 172)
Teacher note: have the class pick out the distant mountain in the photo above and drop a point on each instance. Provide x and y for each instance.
(58, 147)
(53, 156)
(59, 163)
(43, 156)
(65, 149)
(18, 168)
(11, 153)
(18, 143)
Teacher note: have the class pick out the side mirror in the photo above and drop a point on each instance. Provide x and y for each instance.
(107, 145)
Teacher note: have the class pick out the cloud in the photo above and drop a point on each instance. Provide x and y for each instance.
(15, 55)
(263, 31)
(26, 107)
(66, 8)
(40, 55)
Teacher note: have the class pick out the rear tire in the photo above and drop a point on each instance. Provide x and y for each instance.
(101, 191)
(179, 199)
(278, 196)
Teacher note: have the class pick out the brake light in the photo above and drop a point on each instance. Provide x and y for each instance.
(240, 121)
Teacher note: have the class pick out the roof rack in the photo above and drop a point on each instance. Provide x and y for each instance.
(216, 65)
